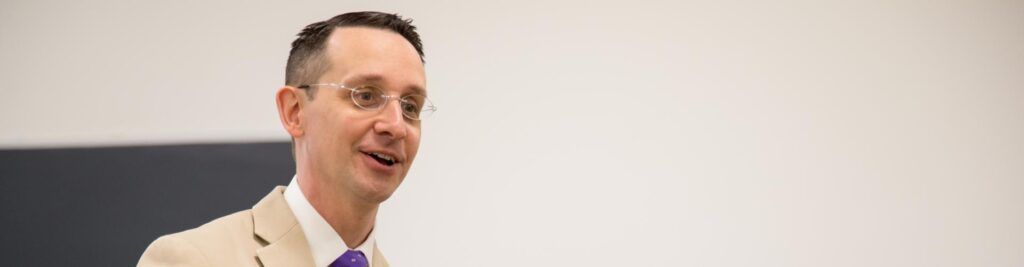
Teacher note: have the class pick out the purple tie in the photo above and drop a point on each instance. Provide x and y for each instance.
(351, 258)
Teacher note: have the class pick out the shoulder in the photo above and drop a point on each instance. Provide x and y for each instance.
(212, 244)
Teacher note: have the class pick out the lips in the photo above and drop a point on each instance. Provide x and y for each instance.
(383, 158)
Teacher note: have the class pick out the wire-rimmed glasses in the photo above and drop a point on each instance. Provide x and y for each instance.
(414, 106)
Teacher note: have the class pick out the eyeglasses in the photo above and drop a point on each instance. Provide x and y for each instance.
(415, 107)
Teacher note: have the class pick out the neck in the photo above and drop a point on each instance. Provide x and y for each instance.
(351, 218)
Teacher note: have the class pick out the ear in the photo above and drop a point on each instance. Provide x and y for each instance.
(289, 105)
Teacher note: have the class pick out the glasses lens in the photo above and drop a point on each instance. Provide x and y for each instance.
(416, 107)
(368, 97)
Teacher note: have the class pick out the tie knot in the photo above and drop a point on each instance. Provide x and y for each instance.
(351, 258)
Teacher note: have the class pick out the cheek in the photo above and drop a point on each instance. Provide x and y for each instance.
(333, 135)
(413, 143)
(349, 131)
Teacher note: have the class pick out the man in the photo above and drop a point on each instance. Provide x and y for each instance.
(354, 96)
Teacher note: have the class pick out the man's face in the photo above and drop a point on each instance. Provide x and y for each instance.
(343, 142)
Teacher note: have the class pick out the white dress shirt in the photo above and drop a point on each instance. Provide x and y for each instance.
(325, 243)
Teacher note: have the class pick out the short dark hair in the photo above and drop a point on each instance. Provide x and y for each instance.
(307, 61)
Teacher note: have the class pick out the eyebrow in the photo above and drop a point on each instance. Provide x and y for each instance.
(377, 78)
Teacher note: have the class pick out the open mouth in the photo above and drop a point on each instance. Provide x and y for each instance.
(383, 159)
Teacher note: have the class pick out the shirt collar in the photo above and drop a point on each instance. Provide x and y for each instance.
(324, 242)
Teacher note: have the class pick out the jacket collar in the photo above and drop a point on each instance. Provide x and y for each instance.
(378, 258)
(275, 224)
(286, 245)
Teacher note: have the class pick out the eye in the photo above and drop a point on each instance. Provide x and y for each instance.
(367, 97)
(412, 105)
(410, 108)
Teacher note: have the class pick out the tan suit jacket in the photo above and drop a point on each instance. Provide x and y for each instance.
(266, 235)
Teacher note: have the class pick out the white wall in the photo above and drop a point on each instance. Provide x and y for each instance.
(711, 133)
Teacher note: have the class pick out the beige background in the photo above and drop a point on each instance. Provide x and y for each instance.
(640, 133)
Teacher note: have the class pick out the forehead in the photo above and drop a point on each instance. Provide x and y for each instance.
(369, 55)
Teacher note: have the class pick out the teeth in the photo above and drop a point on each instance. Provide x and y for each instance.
(385, 157)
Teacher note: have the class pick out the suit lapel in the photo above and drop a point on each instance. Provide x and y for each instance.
(274, 222)
(378, 258)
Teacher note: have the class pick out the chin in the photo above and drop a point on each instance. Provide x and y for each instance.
(377, 191)
(377, 196)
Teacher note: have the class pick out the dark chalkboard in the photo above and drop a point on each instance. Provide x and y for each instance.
(103, 206)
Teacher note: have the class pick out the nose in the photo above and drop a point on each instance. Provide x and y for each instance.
(390, 122)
